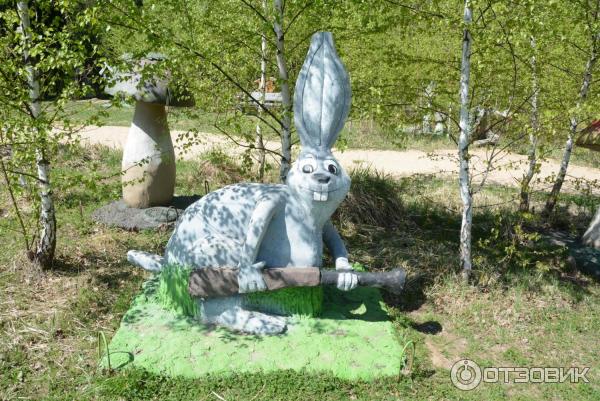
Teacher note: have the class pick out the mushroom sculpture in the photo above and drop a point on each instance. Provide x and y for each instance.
(148, 157)
(591, 140)
(592, 235)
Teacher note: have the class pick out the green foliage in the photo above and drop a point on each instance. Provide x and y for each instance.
(50, 51)
(515, 244)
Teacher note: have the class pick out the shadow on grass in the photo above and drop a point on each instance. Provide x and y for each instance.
(429, 327)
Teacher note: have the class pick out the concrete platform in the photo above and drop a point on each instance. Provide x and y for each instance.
(118, 214)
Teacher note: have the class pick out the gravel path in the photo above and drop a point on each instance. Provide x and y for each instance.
(507, 167)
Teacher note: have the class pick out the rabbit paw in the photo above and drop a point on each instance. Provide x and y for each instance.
(250, 322)
(347, 281)
(250, 278)
(227, 312)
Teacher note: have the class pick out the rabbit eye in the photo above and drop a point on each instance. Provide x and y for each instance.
(307, 168)
(332, 169)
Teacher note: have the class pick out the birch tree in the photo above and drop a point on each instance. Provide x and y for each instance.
(46, 245)
(260, 145)
(286, 100)
(464, 179)
(592, 12)
(40, 59)
(591, 237)
(214, 41)
(533, 134)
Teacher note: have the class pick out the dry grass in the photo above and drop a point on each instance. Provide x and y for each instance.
(49, 321)
(374, 200)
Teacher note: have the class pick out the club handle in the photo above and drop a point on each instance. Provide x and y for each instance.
(222, 282)
(392, 281)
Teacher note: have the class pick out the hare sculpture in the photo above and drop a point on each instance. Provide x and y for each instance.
(257, 226)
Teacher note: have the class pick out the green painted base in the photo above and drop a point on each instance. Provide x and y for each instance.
(172, 293)
(353, 339)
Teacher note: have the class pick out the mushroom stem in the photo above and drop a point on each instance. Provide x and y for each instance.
(148, 158)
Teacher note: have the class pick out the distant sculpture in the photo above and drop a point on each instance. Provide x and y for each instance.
(487, 122)
(255, 226)
(590, 139)
(591, 237)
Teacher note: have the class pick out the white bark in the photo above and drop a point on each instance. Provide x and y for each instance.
(583, 92)
(44, 253)
(286, 119)
(466, 193)
(440, 124)
(46, 246)
(427, 118)
(260, 145)
(533, 135)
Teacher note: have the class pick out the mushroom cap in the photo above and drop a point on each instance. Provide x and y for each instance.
(158, 90)
(590, 137)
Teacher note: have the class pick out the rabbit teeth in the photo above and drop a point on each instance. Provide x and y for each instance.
(320, 196)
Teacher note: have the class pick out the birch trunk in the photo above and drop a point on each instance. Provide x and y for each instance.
(286, 120)
(260, 145)
(464, 181)
(44, 252)
(583, 92)
(533, 136)
(427, 127)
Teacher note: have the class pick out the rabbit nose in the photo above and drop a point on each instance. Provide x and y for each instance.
(322, 178)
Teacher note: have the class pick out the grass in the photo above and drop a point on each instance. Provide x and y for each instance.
(357, 134)
(526, 307)
(103, 112)
(172, 290)
(162, 341)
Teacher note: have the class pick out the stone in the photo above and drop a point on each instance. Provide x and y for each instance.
(119, 214)
(584, 258)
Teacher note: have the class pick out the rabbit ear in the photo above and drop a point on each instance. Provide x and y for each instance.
(322, 95)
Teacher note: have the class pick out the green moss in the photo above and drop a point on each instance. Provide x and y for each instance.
(353, 339)
(307, 301)
(172, 292)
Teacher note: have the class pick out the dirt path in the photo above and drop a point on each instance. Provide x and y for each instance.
(507, 168)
